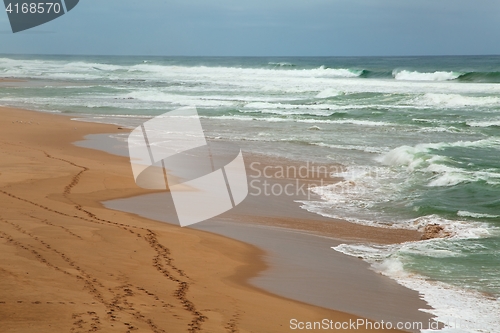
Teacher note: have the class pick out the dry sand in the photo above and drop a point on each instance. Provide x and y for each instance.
(67, 264)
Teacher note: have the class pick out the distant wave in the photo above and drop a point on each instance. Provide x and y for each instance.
(340, 72)
(408, 75)
(149, 70)
(480, 77)
(472, 77)
(281, 64)
(369, 74)
(405, 75)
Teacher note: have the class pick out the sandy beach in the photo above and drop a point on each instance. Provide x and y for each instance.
(222, 166)
(68, 264)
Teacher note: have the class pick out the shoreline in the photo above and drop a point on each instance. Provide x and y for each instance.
(260, 212)
(281, 216)
(56, 198)
(286, 232)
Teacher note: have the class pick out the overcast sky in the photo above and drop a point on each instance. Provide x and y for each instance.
(265, 28)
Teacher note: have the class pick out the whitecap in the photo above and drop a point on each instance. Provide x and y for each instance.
(406, 75)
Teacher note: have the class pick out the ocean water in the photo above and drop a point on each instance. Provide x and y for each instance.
(419, 137)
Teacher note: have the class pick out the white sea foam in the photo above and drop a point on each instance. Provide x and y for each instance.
(348, 121)
(462, 311)
(359, 192)
(425, 158)
(454, 100)
(353, 199)
(449, 176)
(202, 71)
(291, 112)
(176, 99)
(457, 229)
(307, 121)
(356, 196)
(80, 66)
(448, 129)
(486, 123)
(366, 149)
(431, 76)
(406, 155)
(464, 213)
(265, 106)
(291, 109)
(281, 64)
(284, 80)
(328, 93)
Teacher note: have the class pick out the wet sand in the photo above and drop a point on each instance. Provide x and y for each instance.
(10, 80)
(297, 243)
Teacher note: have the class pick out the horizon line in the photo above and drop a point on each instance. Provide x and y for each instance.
(250, 56)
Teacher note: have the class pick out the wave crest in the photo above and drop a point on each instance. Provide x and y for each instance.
(406, 75)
